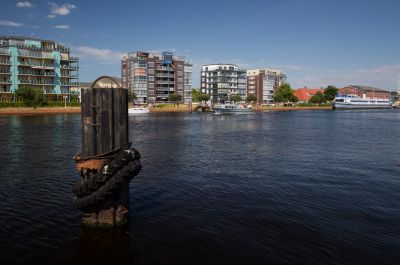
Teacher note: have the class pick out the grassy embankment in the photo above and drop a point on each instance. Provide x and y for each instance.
(302, 106)
(13, 108)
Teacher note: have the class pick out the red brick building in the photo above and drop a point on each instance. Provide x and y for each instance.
(368, 91)
(304, 94)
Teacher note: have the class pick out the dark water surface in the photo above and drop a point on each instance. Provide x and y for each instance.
(310, 187)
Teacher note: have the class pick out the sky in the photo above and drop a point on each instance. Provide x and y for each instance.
(316, 42)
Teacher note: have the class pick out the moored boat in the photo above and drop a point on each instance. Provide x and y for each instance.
(138, 111)
(356, 102)
(231, 108)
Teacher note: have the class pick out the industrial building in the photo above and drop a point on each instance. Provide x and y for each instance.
(37, 63)
(368, 91)
(154, 76)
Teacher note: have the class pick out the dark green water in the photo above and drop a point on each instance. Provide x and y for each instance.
(309, 187)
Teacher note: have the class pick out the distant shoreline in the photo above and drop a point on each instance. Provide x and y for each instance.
(180, 109)
(39, 111)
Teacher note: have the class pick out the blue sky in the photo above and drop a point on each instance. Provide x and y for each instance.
(317, 42)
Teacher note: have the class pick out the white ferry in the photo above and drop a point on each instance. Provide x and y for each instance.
(231, 108)
(356, 102)
(138, 111)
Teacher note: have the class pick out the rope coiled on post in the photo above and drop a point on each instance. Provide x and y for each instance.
(96, 185)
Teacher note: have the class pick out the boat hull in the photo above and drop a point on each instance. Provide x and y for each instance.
(343, 105)
(232, 111)
(138, 111)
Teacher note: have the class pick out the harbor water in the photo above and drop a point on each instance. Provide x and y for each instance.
(301, 187)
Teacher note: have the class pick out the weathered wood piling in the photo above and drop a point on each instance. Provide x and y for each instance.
(107, 163)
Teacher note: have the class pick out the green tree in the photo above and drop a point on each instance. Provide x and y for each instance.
(131, 95)
(330, 92)
(285, 94)
(197, 96)
(31, 97)
(174, 97)
(318, 98)
(204, 97)
(235, 98)
(251, 98)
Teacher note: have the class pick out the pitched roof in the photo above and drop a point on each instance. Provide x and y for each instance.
(304, 94)
(367, 88)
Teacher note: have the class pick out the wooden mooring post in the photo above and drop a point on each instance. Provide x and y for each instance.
(107, 162)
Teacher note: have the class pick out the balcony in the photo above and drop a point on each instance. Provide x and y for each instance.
(70, 83)
(5, 81)
(35, 73)
(5, 72)
(29, 47)
(32, 55)
(37, 82)
(4, 62)
(164, 68)
(4, 53)
(69, 67)
(165, 75)
(37, 65)
(69, 76)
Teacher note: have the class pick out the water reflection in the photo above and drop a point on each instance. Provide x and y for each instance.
(106, 247)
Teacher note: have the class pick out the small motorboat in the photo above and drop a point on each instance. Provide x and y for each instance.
(138, 111)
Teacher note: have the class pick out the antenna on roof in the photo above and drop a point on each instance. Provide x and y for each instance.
(32, 35)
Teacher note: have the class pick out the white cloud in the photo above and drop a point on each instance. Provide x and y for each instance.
(61, 27)
(61, 10)
(104, 55)
(10, 23)
(24, 4)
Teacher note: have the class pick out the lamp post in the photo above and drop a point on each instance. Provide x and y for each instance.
(65, 101)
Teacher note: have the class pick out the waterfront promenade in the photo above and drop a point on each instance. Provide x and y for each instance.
(183, 108)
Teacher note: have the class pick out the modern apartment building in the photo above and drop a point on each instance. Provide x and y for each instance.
(37, 63)
(263, 84)
(222, 80)
(153, 76)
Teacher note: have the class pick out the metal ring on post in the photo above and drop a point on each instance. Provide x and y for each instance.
(106, 77)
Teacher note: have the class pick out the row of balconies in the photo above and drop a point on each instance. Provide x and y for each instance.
(22, 46)
(5, 81)
(165, 75)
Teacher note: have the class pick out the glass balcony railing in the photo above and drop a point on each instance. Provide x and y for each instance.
(30, 47)
(36, 74)
(35, 64)
(34, 55)
(36, 82)
(69, 83)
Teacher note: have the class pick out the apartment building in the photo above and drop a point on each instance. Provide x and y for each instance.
(36, 63)
(153, 76)
(222, 80)
(263, 84)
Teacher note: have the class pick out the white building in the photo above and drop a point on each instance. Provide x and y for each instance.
(222, 80)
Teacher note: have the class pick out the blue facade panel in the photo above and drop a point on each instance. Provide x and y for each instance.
(57, 72)
(14, 69)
